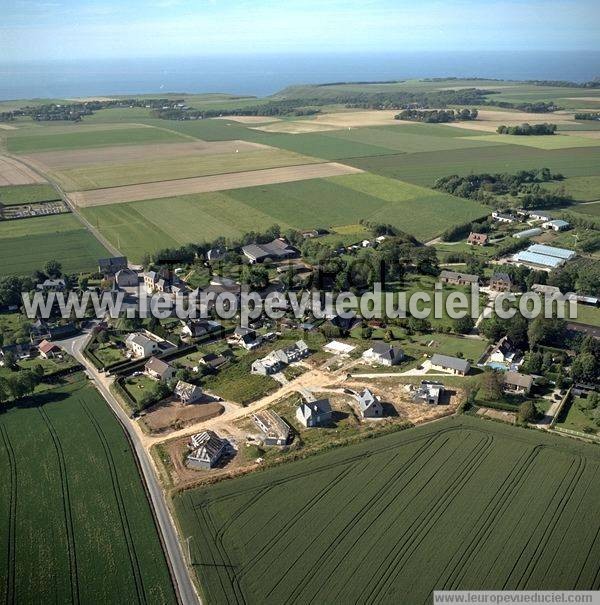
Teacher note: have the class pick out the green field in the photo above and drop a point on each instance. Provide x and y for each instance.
(425, 168)
(32, 142)
(153, 170)
(77, 526)
(138, 227)
(27, 244)
(589, 209)
(459, 504)
(26, 194)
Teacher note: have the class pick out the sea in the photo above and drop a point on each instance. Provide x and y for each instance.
(263, 75)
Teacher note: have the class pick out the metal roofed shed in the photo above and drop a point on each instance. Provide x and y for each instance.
(551, 251)
(541, 260)
(528, 233)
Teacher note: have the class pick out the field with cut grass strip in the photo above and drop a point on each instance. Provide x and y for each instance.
(138, 227)
(77, 526)
(539, 142)
(27, 244)
(458, 504)
(74, 139)
(166, 169)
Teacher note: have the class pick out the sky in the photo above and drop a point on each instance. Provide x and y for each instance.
(98, 29)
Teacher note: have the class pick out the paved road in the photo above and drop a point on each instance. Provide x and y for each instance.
(183, 583)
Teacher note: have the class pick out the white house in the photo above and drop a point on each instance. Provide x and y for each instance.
(383, 354)
(140, 346)
(159, 369)
(369, 405)
(446, 363)
(187, 392)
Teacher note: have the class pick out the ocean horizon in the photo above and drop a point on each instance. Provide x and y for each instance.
(263, 75)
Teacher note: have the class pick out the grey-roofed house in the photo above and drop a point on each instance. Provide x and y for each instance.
(517, 384)
(187, 392)
(278, 249)
(446, 363)
(245, 338)
(314, 413)
(215, 255)
(159, 369)
(110, 266)
(458, 279)
(213, 361)
(126, 278)
(195, 328)
(207, 448)
(384, 354)
(369, 405)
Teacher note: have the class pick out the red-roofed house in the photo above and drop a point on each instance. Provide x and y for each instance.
(47, 349)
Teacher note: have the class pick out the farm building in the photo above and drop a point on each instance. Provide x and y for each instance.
(278, 249)
(207, 449)
(429, 392)
(187, 392)
(383, 354)
(527, 233)
(547, 257)
(517, 384)
(140, 345)
(500, 282)
(540, 215)
(502, 217)
(458, 279)
(369, 405)
(447, 363)
(557, 225)
(159, 369)
(314, 413)
(477, 239)
(275, 428)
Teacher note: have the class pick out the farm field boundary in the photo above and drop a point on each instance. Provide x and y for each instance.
(473, 498)
(222, 182)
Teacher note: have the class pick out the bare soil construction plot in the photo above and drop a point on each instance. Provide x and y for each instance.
(135, 153)
(12, 172)
(174, 415)
(222, 182)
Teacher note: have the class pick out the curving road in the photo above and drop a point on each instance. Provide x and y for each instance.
(184, 586)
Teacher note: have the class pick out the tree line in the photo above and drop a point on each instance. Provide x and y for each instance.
(528, 129)
(437, 116)
(592, 115)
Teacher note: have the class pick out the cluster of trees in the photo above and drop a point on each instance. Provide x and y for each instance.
(592, 115)
(437, 116)
(581, 275)
(474, 186)
(528, 129)
(536, 107)
(20, 382)
(566, 83)
(286, 107)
